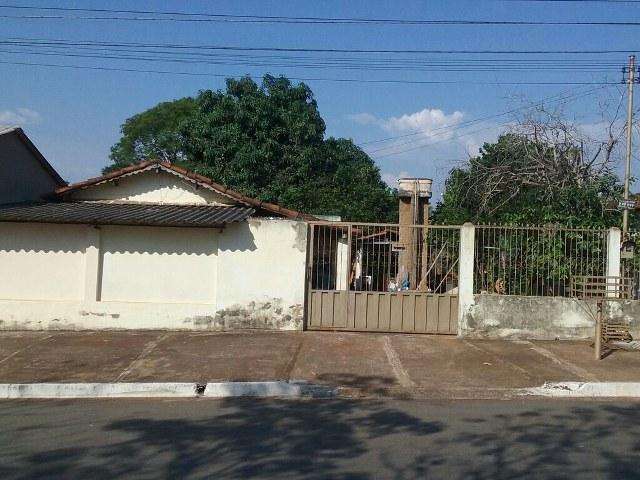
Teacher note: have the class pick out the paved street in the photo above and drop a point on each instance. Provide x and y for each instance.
(319, 439)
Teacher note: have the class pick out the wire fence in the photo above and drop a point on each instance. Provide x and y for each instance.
(384, 257)
(536, 261)
(508, 260)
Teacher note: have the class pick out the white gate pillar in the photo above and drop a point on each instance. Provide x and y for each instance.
(465, 275)
(342, 262)
(613, 258)
(613, 252)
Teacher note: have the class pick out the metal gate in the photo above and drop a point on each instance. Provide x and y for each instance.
(383, 277)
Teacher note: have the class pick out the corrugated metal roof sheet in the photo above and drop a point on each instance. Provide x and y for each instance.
(100, 213)
(188, 175)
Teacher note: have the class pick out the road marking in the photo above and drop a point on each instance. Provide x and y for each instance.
(396, 365)
(8, 357)
(498, 358)
(570, 367)
(148, 348)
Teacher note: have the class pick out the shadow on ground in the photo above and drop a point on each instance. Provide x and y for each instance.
(366, 385)
(355, 439)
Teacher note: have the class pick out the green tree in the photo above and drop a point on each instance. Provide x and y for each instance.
(523, 180)
(266, 141)
(153, 134)
(518, 180)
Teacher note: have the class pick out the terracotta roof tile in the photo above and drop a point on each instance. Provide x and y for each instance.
(199, 179)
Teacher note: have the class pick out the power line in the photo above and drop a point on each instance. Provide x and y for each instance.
(377, 59)
(305, 63)
(304, 79)
(183, 16)
(419, 144)
(439, 61)
(552, 98)
(52, 42)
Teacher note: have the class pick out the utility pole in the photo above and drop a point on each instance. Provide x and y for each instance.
(630, 73)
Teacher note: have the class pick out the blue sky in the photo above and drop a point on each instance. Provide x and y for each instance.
(74, 115)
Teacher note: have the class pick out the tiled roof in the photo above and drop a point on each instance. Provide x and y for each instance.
(187, 175)
(101, 213)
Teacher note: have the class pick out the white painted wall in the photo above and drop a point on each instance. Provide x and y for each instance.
(148, 264)
(80, 277)
(153, 187)
(41, 262)
(261, 260)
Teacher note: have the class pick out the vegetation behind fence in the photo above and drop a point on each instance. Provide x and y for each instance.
(384, 257)
(508, 260)
(539, 261)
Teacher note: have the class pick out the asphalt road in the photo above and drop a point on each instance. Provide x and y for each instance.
(336, 439)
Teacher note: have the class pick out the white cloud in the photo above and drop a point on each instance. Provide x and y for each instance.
(425, 143)
(430, 122)
(419, 132)
(19, 117)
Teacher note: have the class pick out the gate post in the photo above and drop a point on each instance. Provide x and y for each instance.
(613, 252)
(614, 239)
(465, 275)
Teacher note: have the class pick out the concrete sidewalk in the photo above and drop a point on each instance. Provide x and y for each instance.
(359, 364)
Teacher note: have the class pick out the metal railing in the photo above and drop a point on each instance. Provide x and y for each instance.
(586, 287)
(536, 261)
(384, 257)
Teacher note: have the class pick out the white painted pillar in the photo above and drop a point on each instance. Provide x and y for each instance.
(613, 252)
(465, 275)
(613, 256)
(342, 263)
(92, 267)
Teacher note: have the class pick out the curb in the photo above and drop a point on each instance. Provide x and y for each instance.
(96, 390)
(294, 389)
(164, 390)
(585, 389)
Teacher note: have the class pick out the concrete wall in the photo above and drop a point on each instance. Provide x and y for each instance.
(43, 262)
(250, 275)
(261, 273)
(147, 264)
(153, 187)
(22, 178)
(543, 318)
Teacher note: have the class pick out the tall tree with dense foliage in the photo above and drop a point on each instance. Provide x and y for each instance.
(523, 180)
(266, 141)
(543, 172)
(153, 133)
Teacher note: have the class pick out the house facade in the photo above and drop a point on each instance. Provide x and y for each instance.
(151, 246)
(25, 175)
